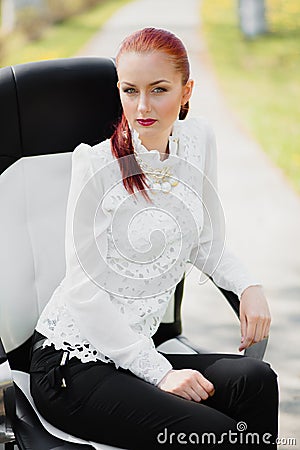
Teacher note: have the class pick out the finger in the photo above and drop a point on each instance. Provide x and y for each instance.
(266, 332)
(205, 384)
(249, 335)
(243, 320)
(194, 395)
(243, 327)
(199, 390)
(262, 328)
(259, 332)
(185, 395)
(266, 329)
(182, 394)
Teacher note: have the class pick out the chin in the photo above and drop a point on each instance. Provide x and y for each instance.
(146, 130)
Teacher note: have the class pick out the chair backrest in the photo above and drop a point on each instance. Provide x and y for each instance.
(51, 107)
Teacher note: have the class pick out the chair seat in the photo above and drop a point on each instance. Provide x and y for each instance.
(21, 379)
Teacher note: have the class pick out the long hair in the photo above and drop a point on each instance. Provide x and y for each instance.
(146, 40)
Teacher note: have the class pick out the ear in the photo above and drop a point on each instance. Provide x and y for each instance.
(187, 90)
(118, 85)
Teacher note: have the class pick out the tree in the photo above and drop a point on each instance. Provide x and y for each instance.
(252, 14)
(8, 15)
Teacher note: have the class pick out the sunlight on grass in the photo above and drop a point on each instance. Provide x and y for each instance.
(261, 77)
(64, 39)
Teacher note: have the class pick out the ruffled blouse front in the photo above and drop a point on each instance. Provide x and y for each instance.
(155, 155)
(124, 256)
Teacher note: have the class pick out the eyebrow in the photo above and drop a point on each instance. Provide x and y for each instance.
(151, 84)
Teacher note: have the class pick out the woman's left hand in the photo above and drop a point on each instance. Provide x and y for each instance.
(254, 316)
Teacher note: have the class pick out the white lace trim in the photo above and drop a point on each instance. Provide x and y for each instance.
(151, 366)
(61, 331)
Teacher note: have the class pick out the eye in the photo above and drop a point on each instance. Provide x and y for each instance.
(129, 91)
(158, 90)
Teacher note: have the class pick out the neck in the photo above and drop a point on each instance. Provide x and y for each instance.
(160, 143)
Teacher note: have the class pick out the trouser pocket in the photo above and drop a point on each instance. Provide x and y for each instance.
(56, 375)
(48, 367)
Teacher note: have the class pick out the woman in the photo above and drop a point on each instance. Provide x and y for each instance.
(95, 372)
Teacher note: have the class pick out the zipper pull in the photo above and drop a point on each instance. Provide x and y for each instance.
(62, 363)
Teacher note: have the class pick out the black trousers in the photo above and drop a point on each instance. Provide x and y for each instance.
(114, 407)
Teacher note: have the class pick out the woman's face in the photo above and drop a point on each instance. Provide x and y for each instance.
(151, 93)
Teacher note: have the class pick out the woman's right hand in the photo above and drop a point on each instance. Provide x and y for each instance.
(187, 383)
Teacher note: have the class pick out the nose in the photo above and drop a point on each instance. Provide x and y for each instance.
(144, 105)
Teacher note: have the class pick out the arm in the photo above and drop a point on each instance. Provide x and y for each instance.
(210, 255)
(105, 327)
(227, 271)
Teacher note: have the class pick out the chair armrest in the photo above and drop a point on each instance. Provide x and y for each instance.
(256, 350)
(196, 348)
(7, 399)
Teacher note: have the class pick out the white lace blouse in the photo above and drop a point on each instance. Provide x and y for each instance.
(125, 256)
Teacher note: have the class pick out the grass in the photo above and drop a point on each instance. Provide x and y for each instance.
(260, 77)
(61, 40)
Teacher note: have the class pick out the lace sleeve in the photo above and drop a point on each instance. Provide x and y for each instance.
(210, 255)
(101, 323)
(151, 366)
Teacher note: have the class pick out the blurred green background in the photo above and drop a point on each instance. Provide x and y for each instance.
(259, 76)
(48, 29)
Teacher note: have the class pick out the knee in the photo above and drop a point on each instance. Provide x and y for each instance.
(259, 374)
(258, 368)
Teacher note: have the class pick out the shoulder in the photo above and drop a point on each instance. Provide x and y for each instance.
(196, 126)
(85, 155)
(85, 151)
(197, 138)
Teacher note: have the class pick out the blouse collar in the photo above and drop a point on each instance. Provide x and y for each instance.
(142, 151)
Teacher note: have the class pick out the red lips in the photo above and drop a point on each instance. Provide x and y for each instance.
(146, 122)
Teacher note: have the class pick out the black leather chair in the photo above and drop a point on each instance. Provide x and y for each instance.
(47, 109)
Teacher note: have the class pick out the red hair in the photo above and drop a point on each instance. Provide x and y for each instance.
(146, 41)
